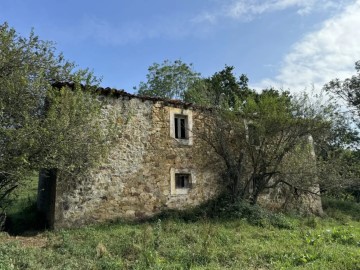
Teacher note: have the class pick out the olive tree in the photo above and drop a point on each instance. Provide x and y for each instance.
(42, 126)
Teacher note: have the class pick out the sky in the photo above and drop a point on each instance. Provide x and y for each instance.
(294, 45)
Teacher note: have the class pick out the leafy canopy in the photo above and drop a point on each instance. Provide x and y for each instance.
(168, 80)
(42, 127)
(340, 155)
(221, 89)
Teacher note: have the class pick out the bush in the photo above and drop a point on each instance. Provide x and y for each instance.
(226, 209)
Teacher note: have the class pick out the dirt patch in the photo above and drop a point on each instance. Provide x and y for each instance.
(38, 241)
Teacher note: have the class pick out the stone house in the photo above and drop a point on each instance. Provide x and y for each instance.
(157, 163)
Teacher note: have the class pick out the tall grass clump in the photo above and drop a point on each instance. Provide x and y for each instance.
(225, 208)
(342, 210)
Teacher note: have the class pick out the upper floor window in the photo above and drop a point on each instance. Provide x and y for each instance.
(181, 125)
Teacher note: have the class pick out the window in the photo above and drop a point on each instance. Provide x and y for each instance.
(181, 126)
(181, 181)
(181, 129)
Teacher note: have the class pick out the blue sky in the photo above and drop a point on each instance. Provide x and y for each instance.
(290, 44)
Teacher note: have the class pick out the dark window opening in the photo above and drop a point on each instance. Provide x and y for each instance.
(182, 180)
(253, 135)
(181, 127)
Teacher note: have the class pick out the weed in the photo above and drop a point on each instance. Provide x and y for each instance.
(235, 235)
(343, 235)
(341, 210)
(311, 221)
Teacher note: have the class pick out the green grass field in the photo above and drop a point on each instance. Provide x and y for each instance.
(332, 242)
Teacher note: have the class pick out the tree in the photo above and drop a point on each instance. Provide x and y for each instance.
(348, 89)
(40, 126)
(168, 80)
(256, 136)
(74, 133)
(343, 146)
(222, 88)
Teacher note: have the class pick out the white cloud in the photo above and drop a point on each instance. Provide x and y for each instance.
(247, 10)
(242, 8)
(322, 55)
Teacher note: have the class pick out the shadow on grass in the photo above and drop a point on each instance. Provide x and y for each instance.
(225, 209)
(24, 219)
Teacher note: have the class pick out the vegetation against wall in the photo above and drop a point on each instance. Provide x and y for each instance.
(266, 127)
(43, 127)
(256, 139)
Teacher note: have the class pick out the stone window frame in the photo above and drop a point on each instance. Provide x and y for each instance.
(181, 191)
(187, 115)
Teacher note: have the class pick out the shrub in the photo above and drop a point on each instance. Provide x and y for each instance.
(225, 208)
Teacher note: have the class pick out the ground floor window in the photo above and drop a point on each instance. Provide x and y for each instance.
(181, 181)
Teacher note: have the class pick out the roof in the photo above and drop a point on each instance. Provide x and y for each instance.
(115, 93)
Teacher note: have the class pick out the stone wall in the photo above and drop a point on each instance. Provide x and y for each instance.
(137, 180)
(298, 168)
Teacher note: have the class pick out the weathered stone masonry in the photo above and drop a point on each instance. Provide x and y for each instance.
(139, 178)
(157, 163)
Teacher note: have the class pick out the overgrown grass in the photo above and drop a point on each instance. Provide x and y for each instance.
(341, 210)
(247, 240)
(225, 209)
(175, 244)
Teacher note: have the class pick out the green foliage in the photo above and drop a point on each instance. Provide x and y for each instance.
(74, 135)
(256, 137)
(42, 127)
(225, 208)
(343, 143)
(348, 89)
(179, 80)
(340, 209)
(282, 151)
(168, 80)
(221, 89)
